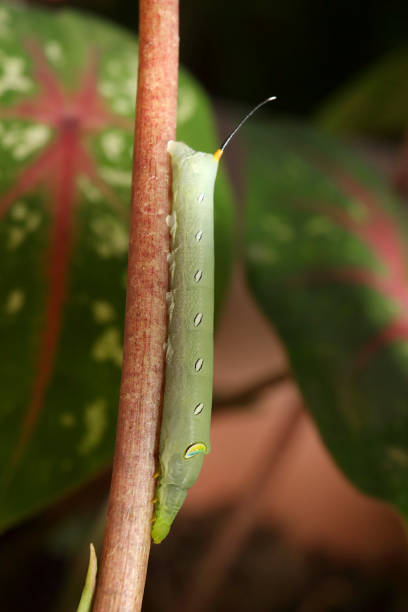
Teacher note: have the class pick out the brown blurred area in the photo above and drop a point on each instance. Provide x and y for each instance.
(272, 523)
(311, 498)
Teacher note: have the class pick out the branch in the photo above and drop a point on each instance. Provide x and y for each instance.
(127, 537)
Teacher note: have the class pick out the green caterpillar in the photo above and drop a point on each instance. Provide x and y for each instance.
(185, 430)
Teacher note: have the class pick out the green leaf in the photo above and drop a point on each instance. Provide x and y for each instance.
(326, 255)
(90, 581)
(375, 102)
(67, 96)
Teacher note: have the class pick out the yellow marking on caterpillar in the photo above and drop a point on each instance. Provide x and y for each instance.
(218, 154)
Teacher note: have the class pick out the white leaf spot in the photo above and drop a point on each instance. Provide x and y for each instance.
(187, 103)
(111, 237)
(12, 77)
(108, 347)
(116, 177)
(95, 422)
(15, 301)
(23, 141)
(113, 144)
(89, 190)
(15, 237)
(103, 311)
(53, 51)
(19, 211)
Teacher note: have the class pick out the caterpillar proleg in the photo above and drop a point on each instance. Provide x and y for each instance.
(185, 429)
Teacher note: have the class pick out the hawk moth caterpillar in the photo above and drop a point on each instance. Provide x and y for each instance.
(185, 428)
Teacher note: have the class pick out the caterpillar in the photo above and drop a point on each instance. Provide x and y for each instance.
(185, 428)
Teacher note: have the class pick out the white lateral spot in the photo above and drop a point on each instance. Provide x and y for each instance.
(198, 364)
(172, 269)
(199, 235)
(198, 276)
(198, 318)
(169, 352)
(15, 301)
(173, 227)
(200, 198)
(198, 408)
(170, 309)
(170, 220)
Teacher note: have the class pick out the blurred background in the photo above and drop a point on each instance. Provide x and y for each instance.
(272, 523)
(302, 51)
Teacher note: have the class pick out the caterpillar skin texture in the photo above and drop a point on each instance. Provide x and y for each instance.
(185, 428)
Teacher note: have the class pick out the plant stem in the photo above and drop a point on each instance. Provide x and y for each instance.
(127, 536)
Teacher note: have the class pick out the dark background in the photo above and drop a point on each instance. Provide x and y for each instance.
(300, 50)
